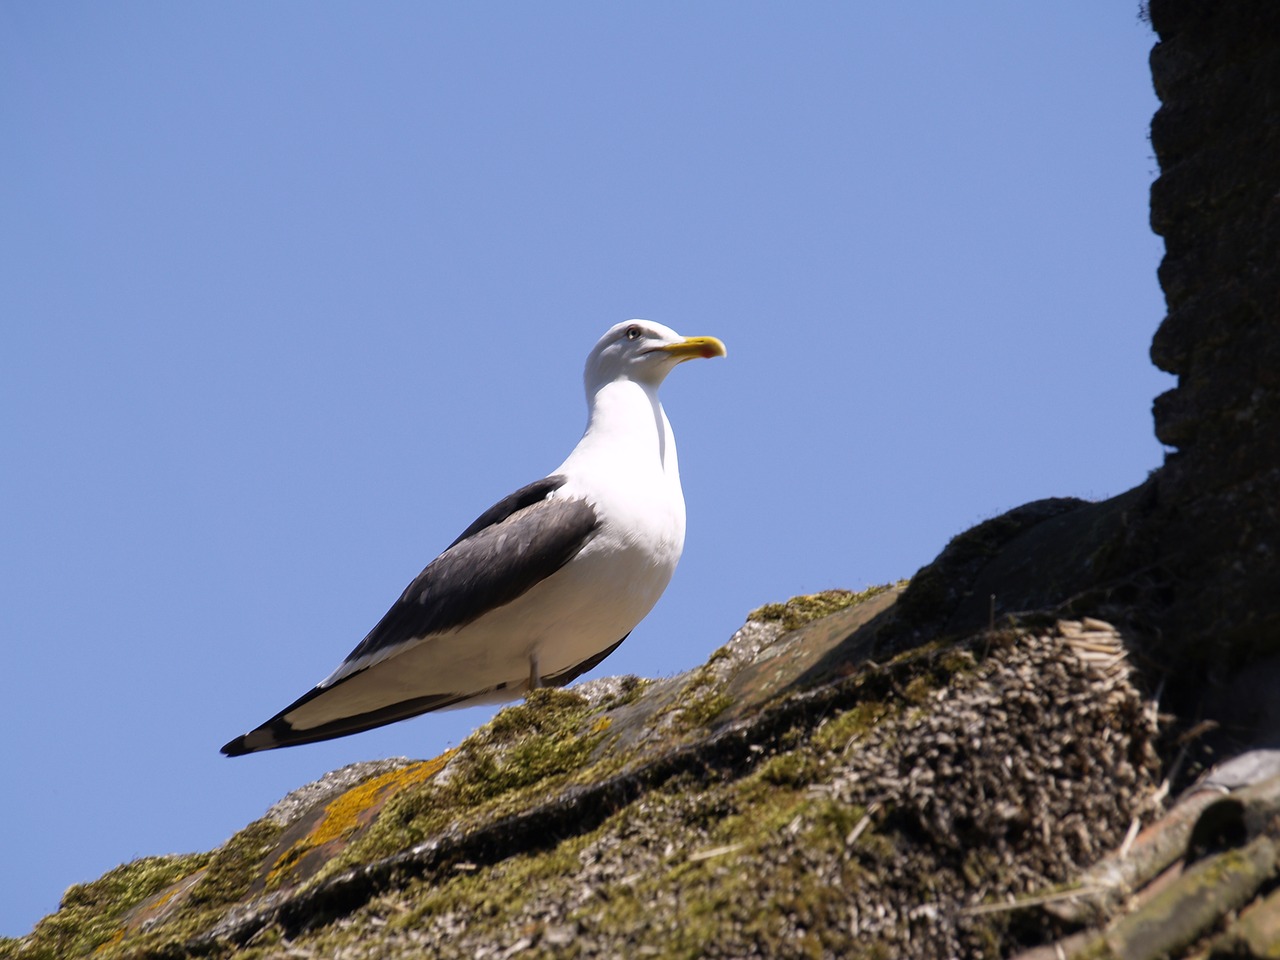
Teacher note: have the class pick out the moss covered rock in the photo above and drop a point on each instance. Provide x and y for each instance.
(763, 804)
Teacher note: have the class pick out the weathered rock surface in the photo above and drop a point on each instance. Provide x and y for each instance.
(1214, 534)
(765, 804)
(976, 764)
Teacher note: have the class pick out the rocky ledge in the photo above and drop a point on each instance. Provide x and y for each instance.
(810, 791)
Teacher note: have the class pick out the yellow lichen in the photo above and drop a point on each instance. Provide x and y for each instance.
(342, 816)
(111, 942)
(164, 896)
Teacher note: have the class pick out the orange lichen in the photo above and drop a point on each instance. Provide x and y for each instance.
(111, 942)
(354, 809)
(182, 886)
(162, 903)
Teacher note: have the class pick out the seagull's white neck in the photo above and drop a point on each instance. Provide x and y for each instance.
(627, 430)
(625, 467)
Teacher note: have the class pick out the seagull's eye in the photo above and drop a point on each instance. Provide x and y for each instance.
(634, 332)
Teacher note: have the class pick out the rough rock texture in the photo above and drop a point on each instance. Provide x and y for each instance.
(975, 764)
(757, 806)
(1217, 205)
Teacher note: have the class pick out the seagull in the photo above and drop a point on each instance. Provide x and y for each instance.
(545, 584)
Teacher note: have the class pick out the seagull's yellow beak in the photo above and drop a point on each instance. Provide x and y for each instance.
(691, 347)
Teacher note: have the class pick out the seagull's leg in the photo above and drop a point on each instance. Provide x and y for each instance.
(535, 675)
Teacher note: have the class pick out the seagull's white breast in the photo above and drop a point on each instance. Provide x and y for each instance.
(626, 467)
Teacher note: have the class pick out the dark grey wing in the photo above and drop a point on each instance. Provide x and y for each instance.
(519, 541)
(525, 496)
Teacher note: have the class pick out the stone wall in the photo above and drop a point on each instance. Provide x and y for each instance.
(1216, 526)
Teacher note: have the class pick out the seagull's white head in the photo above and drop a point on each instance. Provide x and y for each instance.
(643, 351)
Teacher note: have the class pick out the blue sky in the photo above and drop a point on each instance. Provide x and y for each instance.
(292, 292)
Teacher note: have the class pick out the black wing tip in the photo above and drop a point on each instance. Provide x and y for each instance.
(252, 742)
(277, 732)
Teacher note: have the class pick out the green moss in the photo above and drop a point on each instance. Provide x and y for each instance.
(544, 709)
(956, 661)
(474, 893)
(775, 905)
(525, 750)
(524, 745)
(630, 689)
(235, 865)
(92, 914)
(918, 689)
(842, 730)
(795, 769)
(699, 701)
(798, 611)
(706, 707)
